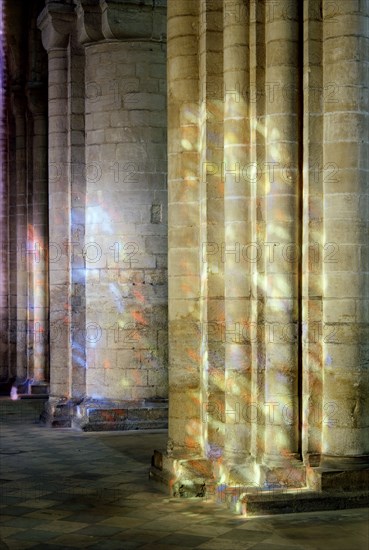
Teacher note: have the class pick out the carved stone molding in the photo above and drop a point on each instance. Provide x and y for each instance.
(89, 21)
(56, 23)
(116, 20)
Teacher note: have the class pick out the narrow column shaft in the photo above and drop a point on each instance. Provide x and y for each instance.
(312, 243)
(57, 22)
(211, 223)
(19, 248)
(59, 226)
(238, 253)
(38, 238)
(185, 283)
(282, 204)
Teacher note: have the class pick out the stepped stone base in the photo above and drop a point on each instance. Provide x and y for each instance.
(326, 489)
(295, 501)
(92, 415)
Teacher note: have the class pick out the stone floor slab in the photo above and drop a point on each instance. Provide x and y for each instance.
(92, 491)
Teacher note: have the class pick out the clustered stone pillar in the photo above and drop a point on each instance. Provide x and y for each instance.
(108, 211)
(293, 168)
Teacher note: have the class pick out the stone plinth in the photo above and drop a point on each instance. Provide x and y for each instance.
(106, 415)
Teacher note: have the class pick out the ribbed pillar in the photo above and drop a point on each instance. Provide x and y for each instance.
(346, 265)
(238, 253)
(282, 204)
(56, 23)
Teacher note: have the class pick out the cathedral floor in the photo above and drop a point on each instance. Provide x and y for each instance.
(65, 489)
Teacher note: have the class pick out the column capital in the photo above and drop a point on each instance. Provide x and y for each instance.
(56, 23)
(121, 20)
(89, 21)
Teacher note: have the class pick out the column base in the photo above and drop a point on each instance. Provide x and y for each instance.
(294, 501)
(193, 476)
(289, 488)
(344, 462)
(181, 477)
(332, 480)
(105, 415)
(286, 473)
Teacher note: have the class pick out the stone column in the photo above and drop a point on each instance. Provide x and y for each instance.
(125, 242)
(38, 236)
(312, 228)
(4, 271)
(185, 281)
(4, 224)
(345, 437)
(238, 252)
(18, 242)
(11, 258)
(56, 23)
(256, 96)
(282, 231)
(290, 207)
(210, 145)
(79, 338)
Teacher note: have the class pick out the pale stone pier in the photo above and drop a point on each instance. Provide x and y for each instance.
(108, 210)
(268, 265)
